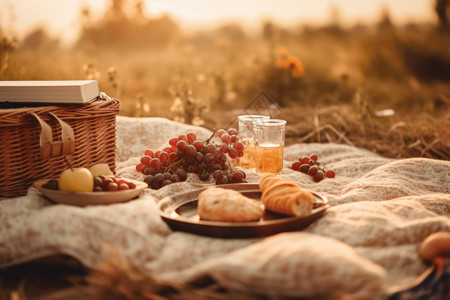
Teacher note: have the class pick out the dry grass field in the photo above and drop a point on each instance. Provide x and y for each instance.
(381, 87)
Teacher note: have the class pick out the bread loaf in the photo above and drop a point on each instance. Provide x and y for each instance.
(225, 205)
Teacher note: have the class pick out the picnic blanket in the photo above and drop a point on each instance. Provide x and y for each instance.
(366, 244)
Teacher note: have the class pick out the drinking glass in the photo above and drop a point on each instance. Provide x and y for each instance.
(269, 140)
(246, 135)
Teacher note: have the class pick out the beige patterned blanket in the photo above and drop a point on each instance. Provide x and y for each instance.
(367, 242)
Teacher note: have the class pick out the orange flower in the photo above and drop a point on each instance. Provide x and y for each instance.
(295, 65)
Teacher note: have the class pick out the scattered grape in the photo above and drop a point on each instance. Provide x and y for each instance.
(310, 165)
(330, 174)
(296, 166)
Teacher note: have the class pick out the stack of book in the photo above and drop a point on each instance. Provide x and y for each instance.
(49, 91)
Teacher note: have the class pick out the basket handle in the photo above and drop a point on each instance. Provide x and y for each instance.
(53, 149)
(46, 139)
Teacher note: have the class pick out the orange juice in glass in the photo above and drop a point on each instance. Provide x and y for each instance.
(248, 161)
(269, 145)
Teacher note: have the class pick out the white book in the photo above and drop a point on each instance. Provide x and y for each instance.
(49, 91)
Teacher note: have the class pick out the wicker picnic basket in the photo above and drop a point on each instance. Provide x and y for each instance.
(34, 141)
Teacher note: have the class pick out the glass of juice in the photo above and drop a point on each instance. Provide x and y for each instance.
(246, 135)
(269, 141)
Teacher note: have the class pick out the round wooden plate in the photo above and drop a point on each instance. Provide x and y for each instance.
(179, 211)
(90, 198)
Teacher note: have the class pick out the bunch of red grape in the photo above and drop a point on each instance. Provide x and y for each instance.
(309, 165)
(186, 154)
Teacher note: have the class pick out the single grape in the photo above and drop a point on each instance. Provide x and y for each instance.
(183, 137)
(191, 136)
(204, 175)
(222, 180)
(232, 131)
(209, 157)
(313, 170)
(230, 178)
(98, 181)
(217, 154)
(233, 153)
(168, 150)
(131, 185)
(238, 146)
(107, 182)
(190, 150)
(172, 156)
(173, 141)
(240, 153)
(330, 174)
(166, 182)
(123, 186)
(181, 174)
(163, 156)
(233, 138)
(156, 185)
(224, 148)
(225, 138)
(318, 176)
(155, 163)
(239, 174)
(167, 176)
(210, 148)
(180, 153)
(217, 173)
(139, 167)
(157, 153)
(112, 186)
(158, 178)
(175, 178)
(304, 159)
(182, 144)
(198, 145)
(146, 160)
(199, 156)
(220, 132)
(304, 168)
(296, 166)
(150, 153)
(314, 157)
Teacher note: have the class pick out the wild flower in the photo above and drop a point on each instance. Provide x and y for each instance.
(289, 62)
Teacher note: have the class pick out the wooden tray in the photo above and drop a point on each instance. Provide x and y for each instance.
(179, 211)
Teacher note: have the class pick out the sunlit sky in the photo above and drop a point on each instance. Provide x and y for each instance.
(61, 17)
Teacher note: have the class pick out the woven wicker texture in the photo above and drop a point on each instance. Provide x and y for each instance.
(20, 154)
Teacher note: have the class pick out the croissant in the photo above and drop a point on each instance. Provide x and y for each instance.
(225, 205)
(285, 197)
